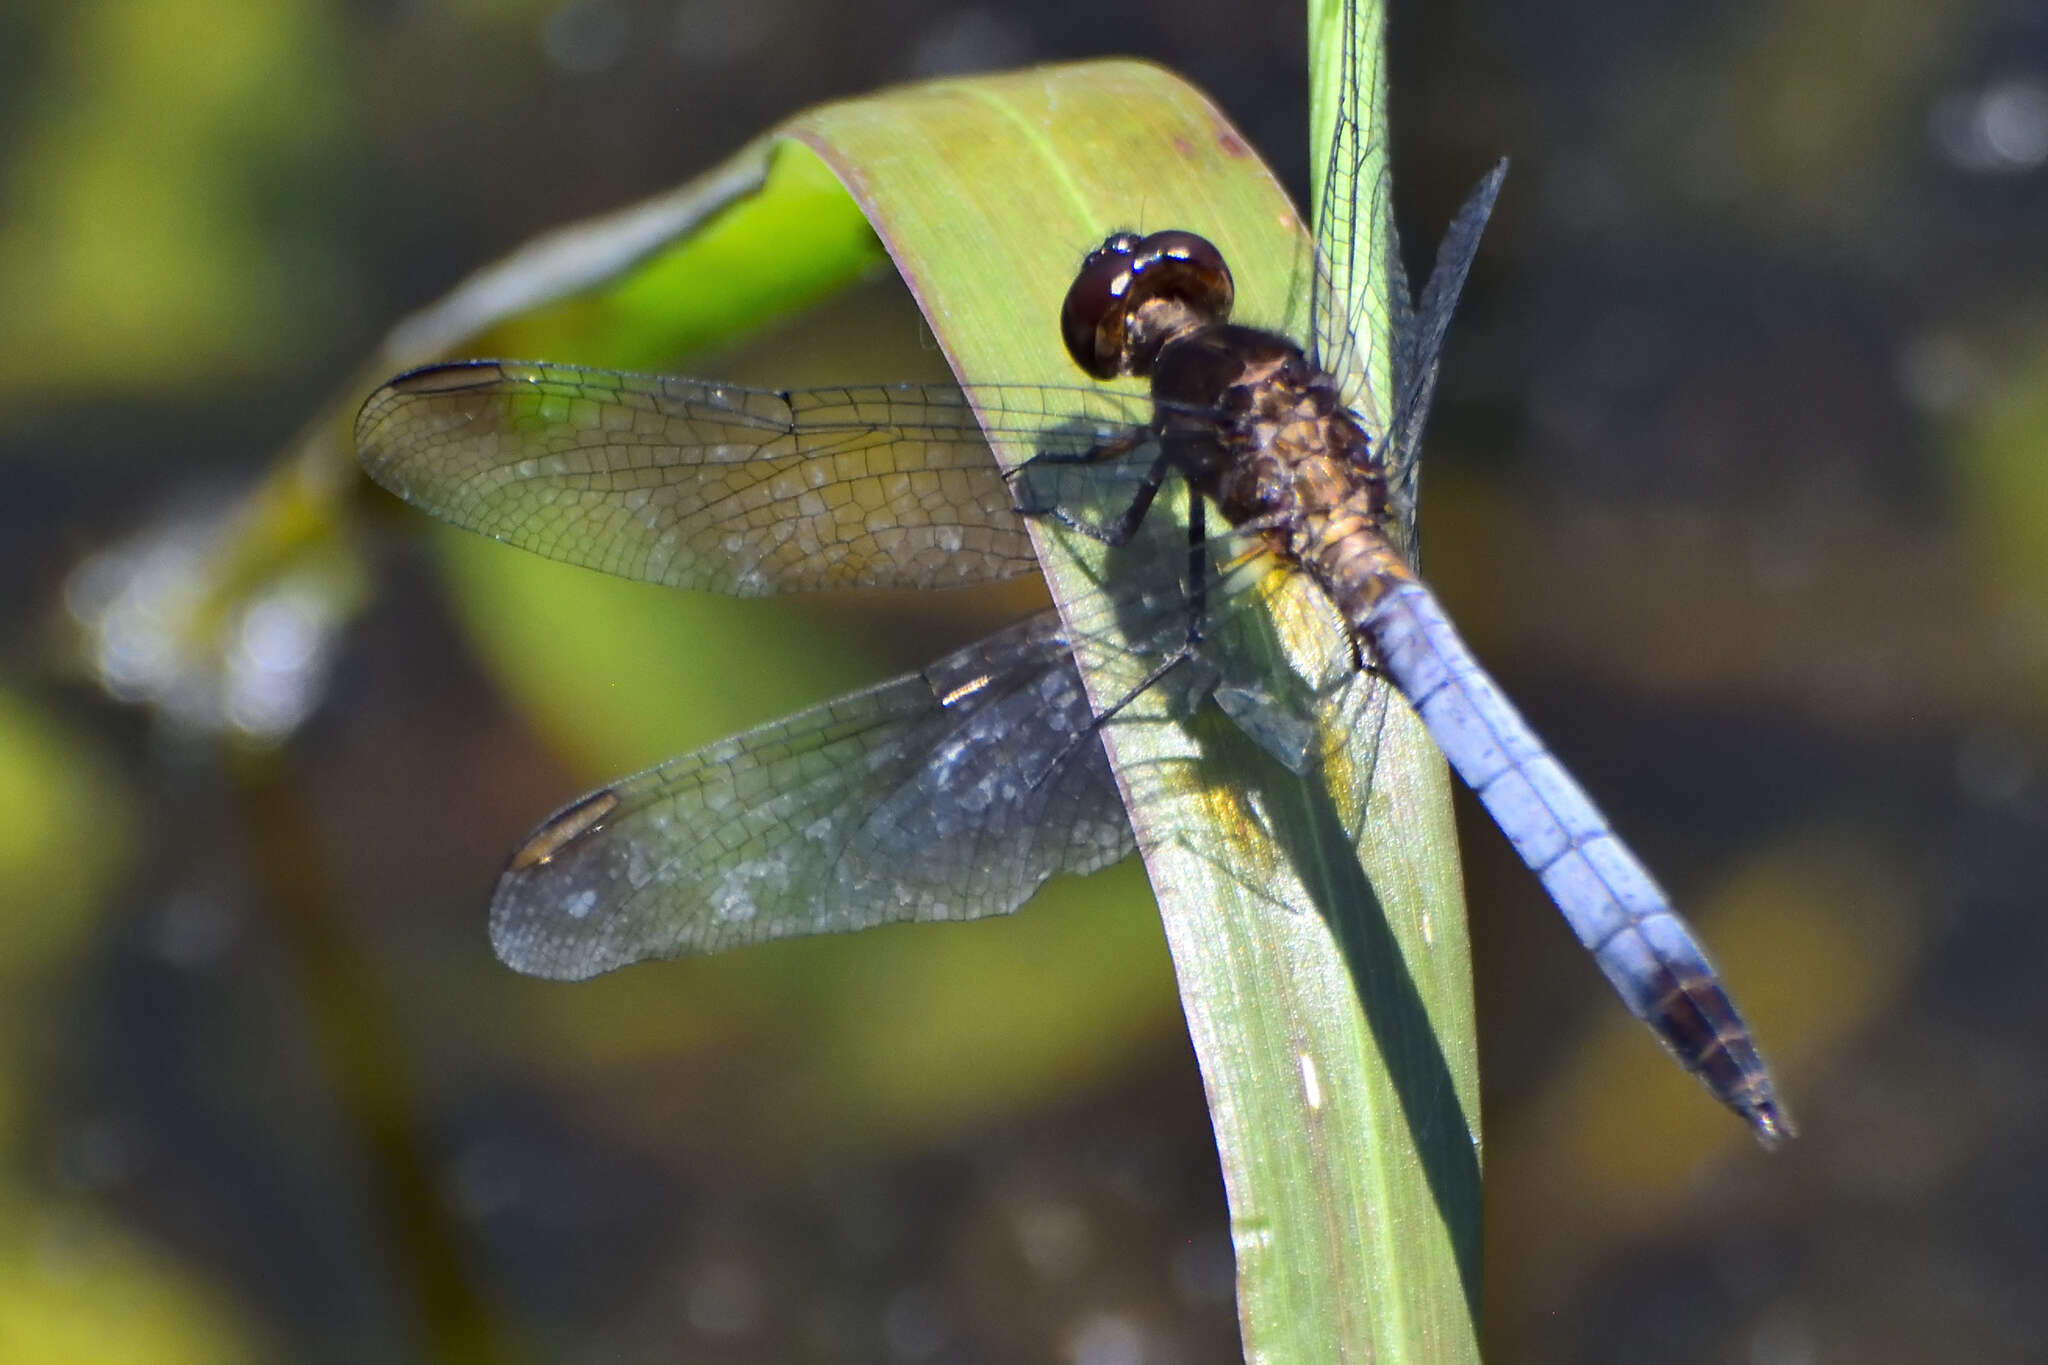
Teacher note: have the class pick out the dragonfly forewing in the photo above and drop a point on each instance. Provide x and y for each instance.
(716, 486)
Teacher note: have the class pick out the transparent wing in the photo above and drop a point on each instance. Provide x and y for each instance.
(1355, 233)
(1347, 231)
(1419, 333)
(948, 794)
(718, 487)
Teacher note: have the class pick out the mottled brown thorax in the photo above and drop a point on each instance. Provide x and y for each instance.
(1288, 460)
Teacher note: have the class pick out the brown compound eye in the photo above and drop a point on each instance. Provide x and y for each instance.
(1093, 318)
(1103, 305)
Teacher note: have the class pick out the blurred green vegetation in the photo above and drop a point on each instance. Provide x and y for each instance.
(767, 256)
(2004, 494)
(66, 842)
(75, 1285)
(158, 232)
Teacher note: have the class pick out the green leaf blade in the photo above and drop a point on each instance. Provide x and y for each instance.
(1316, 925)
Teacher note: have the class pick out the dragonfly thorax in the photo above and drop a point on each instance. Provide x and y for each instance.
(1249, 420)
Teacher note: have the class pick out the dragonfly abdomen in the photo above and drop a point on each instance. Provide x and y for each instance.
(1609, 898)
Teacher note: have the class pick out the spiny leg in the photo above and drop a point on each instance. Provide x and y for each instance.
(1118, 533)
(1197, 600)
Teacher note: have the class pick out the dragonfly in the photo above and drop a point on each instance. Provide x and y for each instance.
(956, 791)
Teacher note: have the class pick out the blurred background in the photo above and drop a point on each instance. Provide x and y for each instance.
(1736, 481)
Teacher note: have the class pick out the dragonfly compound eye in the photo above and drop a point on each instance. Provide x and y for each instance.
(1134, 293)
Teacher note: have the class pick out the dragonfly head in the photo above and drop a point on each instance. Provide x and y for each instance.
(1134, 294)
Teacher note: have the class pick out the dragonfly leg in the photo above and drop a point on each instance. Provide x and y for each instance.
(1118, 532)
(1184, 654)
(1198, 602)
